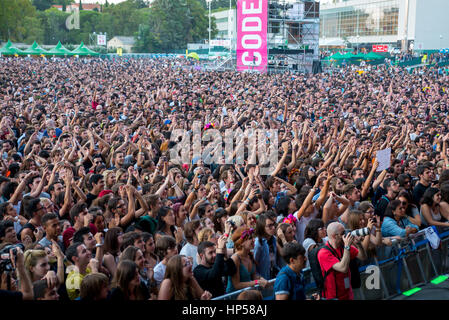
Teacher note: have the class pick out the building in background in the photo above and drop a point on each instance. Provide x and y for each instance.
(405, 24)
(75, 6)
(126, 43)
(226, 29)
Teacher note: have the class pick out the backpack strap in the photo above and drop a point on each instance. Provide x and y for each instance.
(328, 272)
(386, 198)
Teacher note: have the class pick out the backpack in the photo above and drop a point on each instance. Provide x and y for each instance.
(315, 267)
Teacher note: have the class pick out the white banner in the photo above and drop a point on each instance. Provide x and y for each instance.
(101, 39)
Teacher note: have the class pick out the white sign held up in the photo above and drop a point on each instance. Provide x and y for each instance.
(383, 157)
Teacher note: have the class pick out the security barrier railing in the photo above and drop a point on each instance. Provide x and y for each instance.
(400, 268)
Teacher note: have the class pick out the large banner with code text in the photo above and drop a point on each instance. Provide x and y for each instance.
(252, 16)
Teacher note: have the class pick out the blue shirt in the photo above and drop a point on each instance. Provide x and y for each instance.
(390, 227)
(291, 283)
(262, 257)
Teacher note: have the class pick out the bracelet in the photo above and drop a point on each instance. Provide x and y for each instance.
(256, 282)
(226, 235)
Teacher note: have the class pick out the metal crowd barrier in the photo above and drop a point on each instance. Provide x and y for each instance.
(407, 264)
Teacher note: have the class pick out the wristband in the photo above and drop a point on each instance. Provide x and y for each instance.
(98, 245)
(226, 235)
(256, 282)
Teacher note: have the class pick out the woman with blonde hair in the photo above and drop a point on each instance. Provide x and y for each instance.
(179, 282)
(109, 179)
(121, 176)
(38, 267)
(207, 234)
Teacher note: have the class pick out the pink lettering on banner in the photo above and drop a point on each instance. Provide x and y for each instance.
(252, 18)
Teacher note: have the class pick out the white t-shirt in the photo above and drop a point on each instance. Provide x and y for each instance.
(159, 272)
(189, 250)
(306, 244)
(302, 223)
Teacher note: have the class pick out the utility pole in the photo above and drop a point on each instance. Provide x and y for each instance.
(209, 3)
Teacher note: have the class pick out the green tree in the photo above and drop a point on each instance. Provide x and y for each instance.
(43, 4)
(199, 22)
(12, 18)
(174, 23)
(146, 40)
(33, 31)
(53, 23)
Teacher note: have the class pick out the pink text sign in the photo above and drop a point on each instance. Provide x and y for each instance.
(252, 35)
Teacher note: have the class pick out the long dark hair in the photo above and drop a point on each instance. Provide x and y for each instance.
(311, 230)
(427, 197)
(445, 192)
(260, 227)
(219, 213)
(174, 273)
(392, 206)
(125, 273)
(161, 223)
(111, 244)
(410, 206)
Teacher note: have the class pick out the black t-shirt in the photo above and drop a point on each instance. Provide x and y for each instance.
(418, 192)
(90, 198)
(210, 279)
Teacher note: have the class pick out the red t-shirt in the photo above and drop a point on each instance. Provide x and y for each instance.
(336, 282)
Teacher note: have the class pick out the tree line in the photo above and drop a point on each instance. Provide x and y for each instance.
(163, 26)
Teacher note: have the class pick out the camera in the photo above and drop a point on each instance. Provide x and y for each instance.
(359, 232)
(5, 257)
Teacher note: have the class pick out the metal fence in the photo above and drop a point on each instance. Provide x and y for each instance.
(407, 264)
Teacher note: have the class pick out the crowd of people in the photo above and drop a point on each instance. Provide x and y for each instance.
(93, 206)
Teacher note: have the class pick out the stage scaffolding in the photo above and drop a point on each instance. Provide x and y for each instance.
(292, 39)
(293, 35)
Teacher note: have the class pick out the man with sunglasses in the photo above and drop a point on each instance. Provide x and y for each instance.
(334, 259)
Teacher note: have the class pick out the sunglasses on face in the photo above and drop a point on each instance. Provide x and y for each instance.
(187, 263)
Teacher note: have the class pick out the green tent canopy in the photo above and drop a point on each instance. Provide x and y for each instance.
(336, 56)
(82, 50)
(9, 50)
(36, 49)
(360, 55)
(60, 50)
(373, 55)
(348, 55)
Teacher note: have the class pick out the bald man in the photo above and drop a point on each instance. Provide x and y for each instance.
(334, 260)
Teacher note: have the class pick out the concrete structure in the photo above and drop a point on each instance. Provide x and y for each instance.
(226, 22)
(412, 24)
(126, 43)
